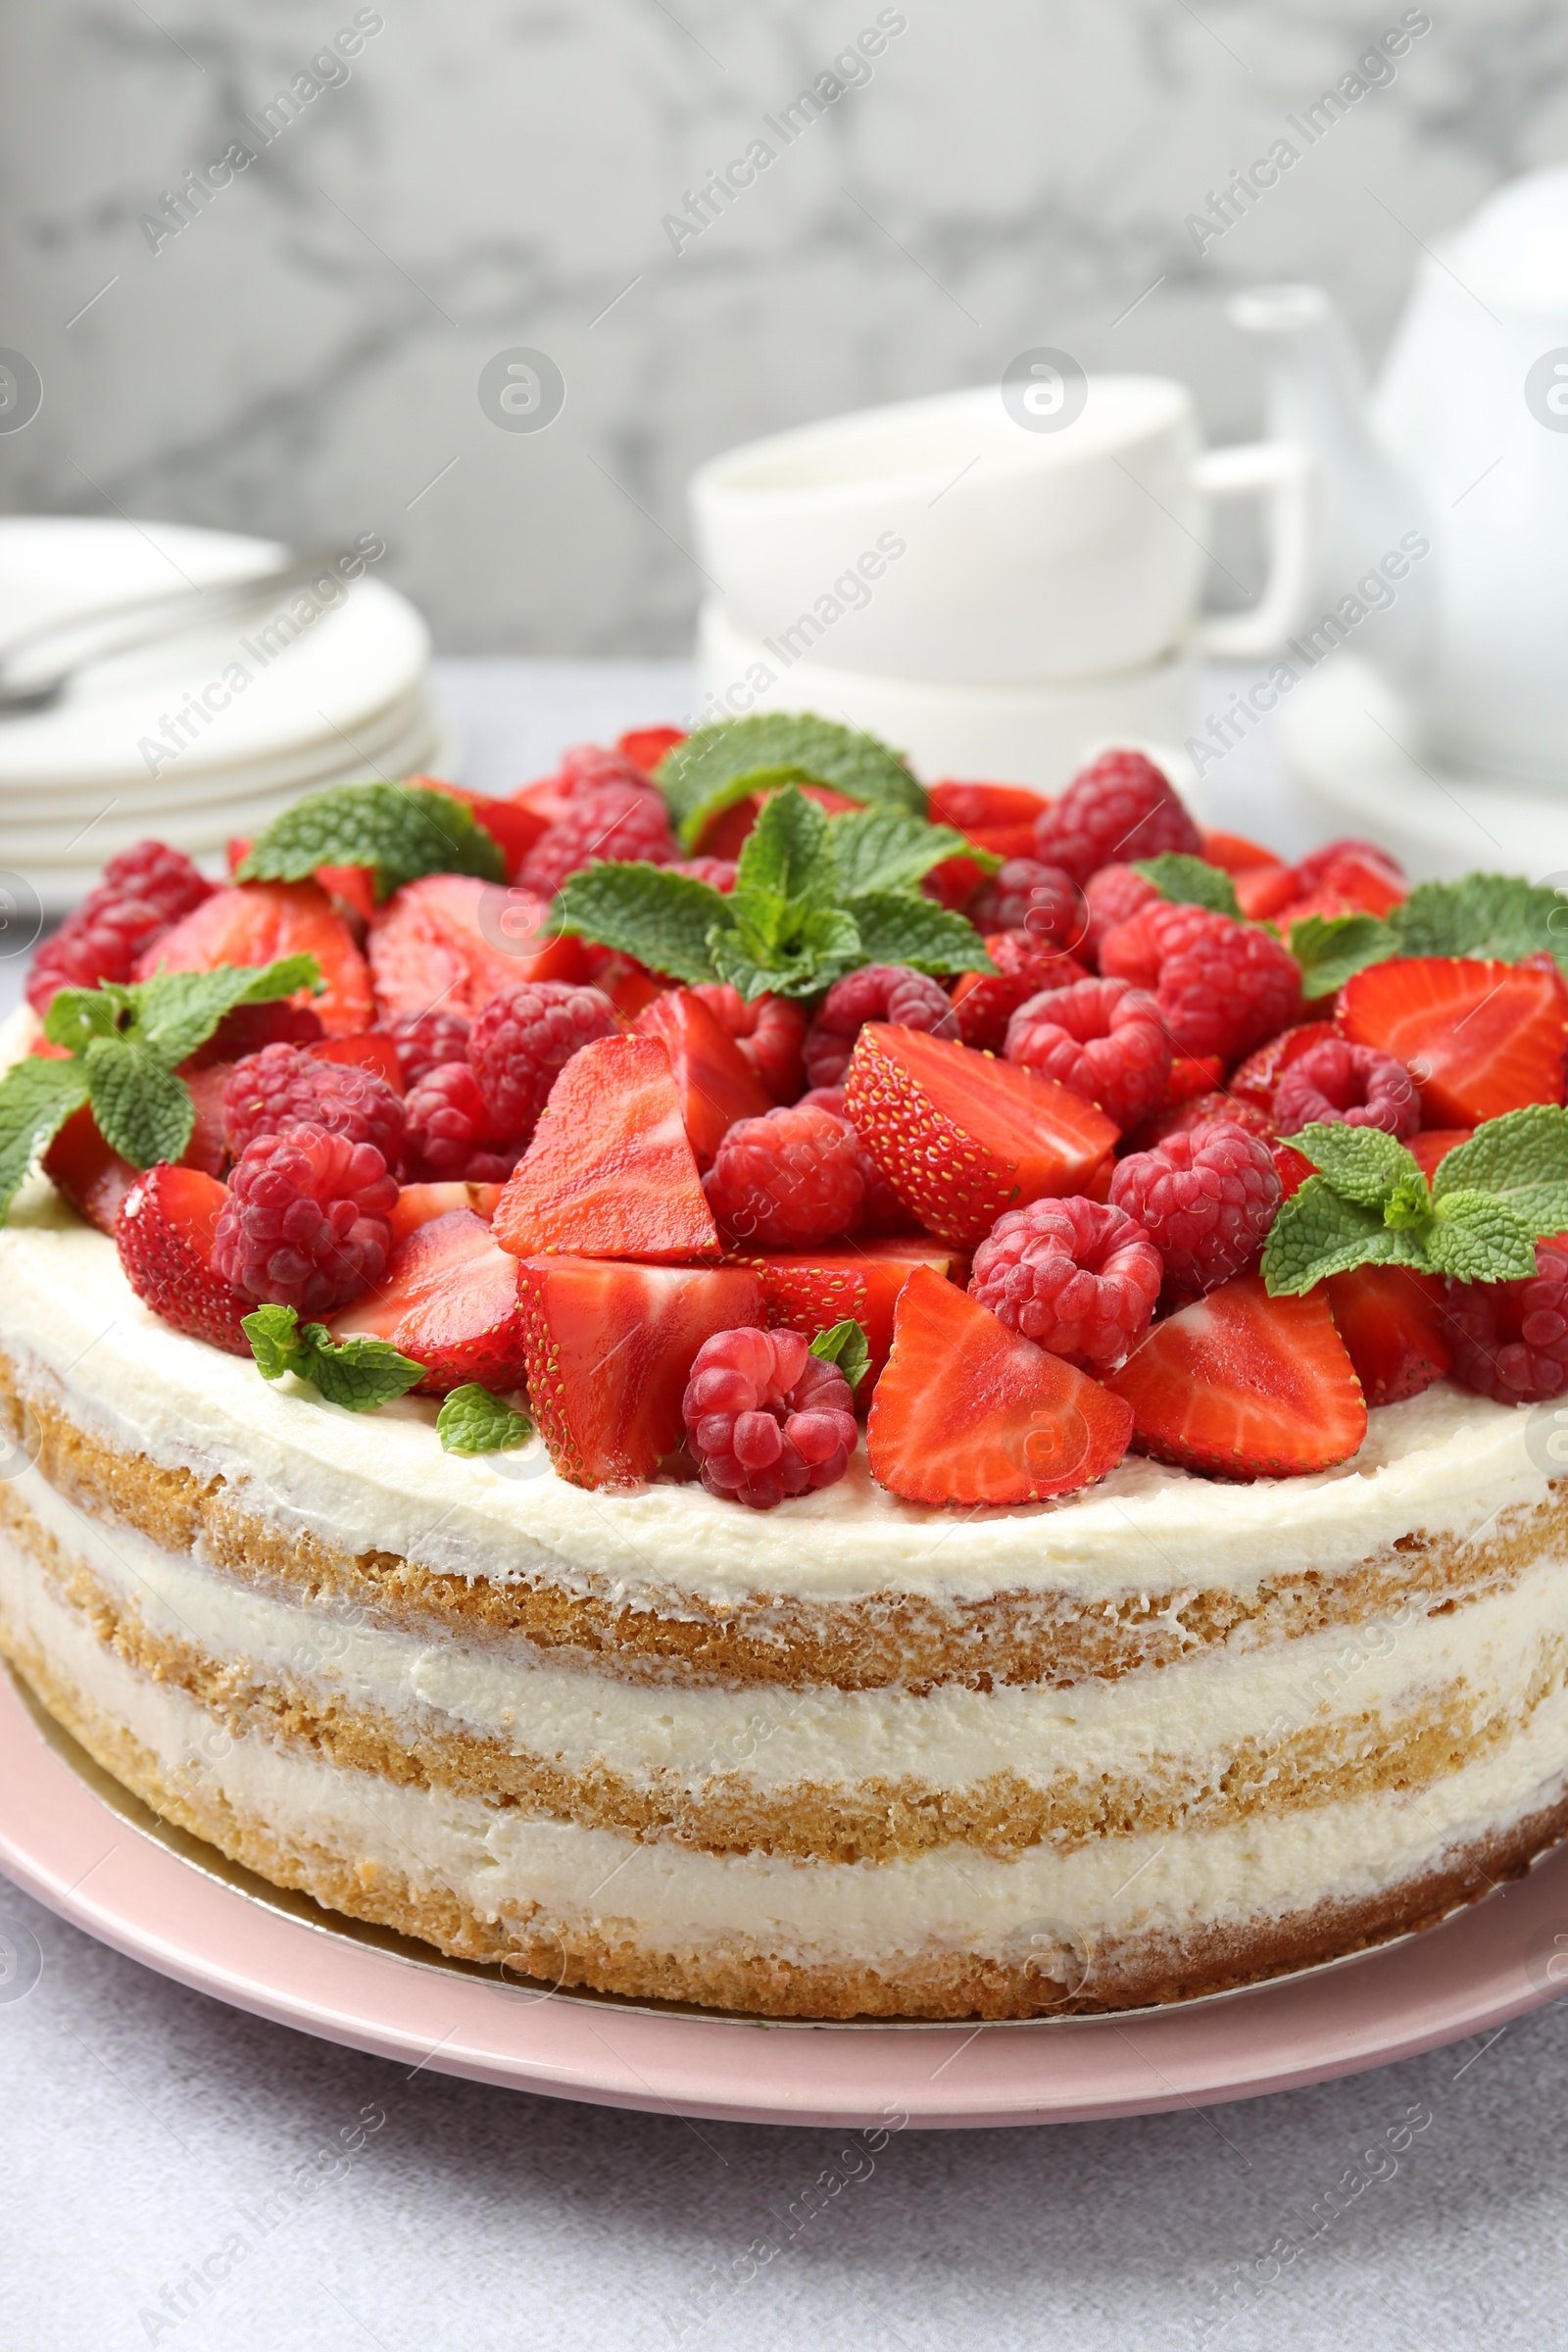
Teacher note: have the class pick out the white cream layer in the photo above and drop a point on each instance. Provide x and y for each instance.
(667, 1898)
(1203, 1708)
(1445, 1463)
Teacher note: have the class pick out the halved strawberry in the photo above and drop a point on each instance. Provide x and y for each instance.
(960, 1136)
(1234, 851)
(812, 1291)
(645, 747)
(164, 1234)
(770, 1031)
(1191, 1075)
(725, 835)
(986, 1002)
(368, 1052)
(715, 1082)
(1262, 890)
(449, 1299)
(1394, 1327)
(609, 1350)
(1257, 1079)
(453, 941)
(1434, 1144)
(95, 1180)
(421, 1203)
(610, 1172)
(513, 827)
(1479, 1039)
(258, 923)
(628, 984)
(975, 808)
(1291, 1167)
(1243, 1385)
(354, 885)
(967, 1412)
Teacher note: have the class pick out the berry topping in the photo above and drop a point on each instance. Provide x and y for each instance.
(877, 992)
(448, 1135)
(449, 1301)
(1344, 1085)
(425, 1039)
(787, 1180)
(1206, 1199)
(283, 1086)
(452, 940)
(1023, 895)
(165, 1234)
(969, 1412)
(770, 1031)
(1222, 986)
(1479, 1039)
(961, 1137)
(1113, 897)
(1077, 1279)
(1510, 1339)
(812, 1292)
(609, 1171)
(716, 1083)
(1396, 1327)
(258, 923)
(304, 1224)
(1102, 1038)
(1243, 1385)
(609, 1350)
(523, 1040)
(1120, 809)
(610, 821)
(766, 1418)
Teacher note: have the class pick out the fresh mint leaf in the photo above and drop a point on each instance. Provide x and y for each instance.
(359, 1373)
(1361, 1163)
(1189, 881)
(663, 919)
(887, 849)
(399, 831)
(845, 1345)
(720, 765)
(37, 1094)
(1332, 949)
(1521, 1160)
(143, 1111)
(174, 1012)
(899, 928)
(1483, 915)
(786, 861)
(1478, 1238)
(472, 1421)
(1318, 1232)
(821, 947)
(76, 1015)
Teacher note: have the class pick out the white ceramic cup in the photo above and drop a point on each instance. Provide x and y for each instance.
(1052, 528)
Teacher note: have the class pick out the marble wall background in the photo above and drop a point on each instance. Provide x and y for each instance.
(303, 358)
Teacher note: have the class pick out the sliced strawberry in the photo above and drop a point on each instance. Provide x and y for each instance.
(1243, 1385)
(1479, 1039)
(368, 1052)
(960, 1136)
(986, 1002)
(1191, 1075)
(770, 1031)
(421, 1203)
(645, 747)
(725, 835)
(1292, 1168)
(812, 1291)
(1234, 851)
(610, 1172)
(355, 885)
(511, 826)
(1394, 1327)
(1006, 841)
(1355, 882)
(609, 1350)
(1434, 1144)
(969, 1413)
(548, 800)
(258, 923)
(954, 883)
(95, 1180)
(976, 807)
(628, 984)
(715, 1082)
(1257, 1079)
(449, 1301)
(453, 941)
(1262, 890)
(164, 1234)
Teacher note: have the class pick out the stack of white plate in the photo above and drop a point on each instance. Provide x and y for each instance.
(173, 739)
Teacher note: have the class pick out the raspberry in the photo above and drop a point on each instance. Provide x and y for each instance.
(1347, 1086)
(143, 890)
(447, 1124)
(877, 992)
(1510, 1339)
(251, 1028)
(788, 1180)
(610, 823)
(523, 1038)
(590, 766)
(1026, 967)
(1201, 1110)
(425, 1039)
(158, 876)
(717, 872)
(1223, 987)
(1313, 869)
(282, 1087)
(769, 1031)
(305, 1222)
(1206, 1199)
(1120, 809)
(1102, 1038)
(885, 1212)
(1023, 895)
(1114, 895)
(1079, 1279)
(766, 1418)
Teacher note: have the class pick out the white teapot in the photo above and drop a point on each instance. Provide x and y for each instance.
(1445, 496)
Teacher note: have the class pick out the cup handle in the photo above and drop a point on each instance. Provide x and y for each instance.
(1285, 473)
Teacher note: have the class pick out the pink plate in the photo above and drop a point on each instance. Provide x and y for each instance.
(85, 1848)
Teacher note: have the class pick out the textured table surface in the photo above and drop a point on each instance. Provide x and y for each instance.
(142, 2125)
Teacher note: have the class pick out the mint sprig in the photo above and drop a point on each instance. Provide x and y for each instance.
(1500, 916)
(887, 849)
(845, 1345)
(473, 1421)
(399, 831)
(1477, 1220)
(719, 765)
(1332, 949)
(125, 1041)
(1189, 881)
(359, 1373)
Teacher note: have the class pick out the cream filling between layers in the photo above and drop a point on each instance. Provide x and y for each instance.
(1445, 1465)
(1493, 1650)
(663, 1897)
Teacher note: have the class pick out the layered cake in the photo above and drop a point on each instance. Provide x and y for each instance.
(733, 1381)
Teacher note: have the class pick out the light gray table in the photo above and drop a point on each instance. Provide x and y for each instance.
(139, 2123)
